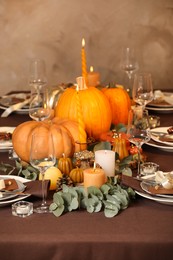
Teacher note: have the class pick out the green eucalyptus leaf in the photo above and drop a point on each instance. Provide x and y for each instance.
(113, 200)
(58, 212)
(98, 206)
(73, 192)
(105, 188)
(58, 199)
(110, 213)
(127, 171)
(95, 191)
(65, 188)
(74, 204)
(53, 206)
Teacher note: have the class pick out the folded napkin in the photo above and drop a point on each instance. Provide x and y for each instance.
(131, 182)
(9, 184)
(160, 96)
(35, 188)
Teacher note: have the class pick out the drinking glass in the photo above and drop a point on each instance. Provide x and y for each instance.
(39, 107)
(37, 73)
(129, 63)
(138, 130)
(142, 92)
(39, 104)
(42, 156)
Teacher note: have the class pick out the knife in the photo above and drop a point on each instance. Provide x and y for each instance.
(14, 107)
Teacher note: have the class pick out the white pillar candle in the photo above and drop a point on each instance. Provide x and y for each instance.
(106, 159)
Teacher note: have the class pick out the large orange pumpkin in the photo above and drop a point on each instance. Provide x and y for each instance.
(120, 104)
(64, 133)
(95, 108)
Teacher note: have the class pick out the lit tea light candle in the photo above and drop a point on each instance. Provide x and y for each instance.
(84, 65)
(106, 159)
(94, 177)
(93, 78)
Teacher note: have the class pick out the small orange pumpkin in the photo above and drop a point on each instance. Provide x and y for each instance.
(95, 108)
(65, 164)
(64, 134)
(120, 104)
(77, 175)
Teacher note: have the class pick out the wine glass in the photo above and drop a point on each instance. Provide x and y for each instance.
(42, 156)
(142, 92)
(39, 107)
(129, 63)
(138, 130)
(37, 73)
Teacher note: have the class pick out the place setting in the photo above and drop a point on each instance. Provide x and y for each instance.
(162, 102)
(6, 138)
(162, 138)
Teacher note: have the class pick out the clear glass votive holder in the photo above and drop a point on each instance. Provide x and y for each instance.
(22, 209)
(154, 121)
(148, 168)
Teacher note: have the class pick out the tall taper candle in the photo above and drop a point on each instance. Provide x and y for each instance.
(84, 65)
(81, 125)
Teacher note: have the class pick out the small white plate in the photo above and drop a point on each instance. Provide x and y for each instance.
(145, 186)
(21, 188)
(160, 109)
(6, 145)
(161, 147)
(167, 95)
(167, 201)
(20, 181)
(156, 138)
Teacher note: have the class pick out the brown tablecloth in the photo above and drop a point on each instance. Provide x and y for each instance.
(143, 231)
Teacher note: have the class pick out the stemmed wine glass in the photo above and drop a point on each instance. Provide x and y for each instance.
(138, 130)
(129, 63)
(42, 156)
(142, 92)
(39, 108)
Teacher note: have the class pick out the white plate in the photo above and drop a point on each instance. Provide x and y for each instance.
(145, 186)
(6, 145)
(161, 147)
(166, 201)
(6, 101)
(163, 130)
(19, 180)
(10, 196)
(160, 110)
(168, 96)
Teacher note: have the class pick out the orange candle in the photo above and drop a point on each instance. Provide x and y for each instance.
(81, 125)
(93, 78)
(84, 65)
(94, 177)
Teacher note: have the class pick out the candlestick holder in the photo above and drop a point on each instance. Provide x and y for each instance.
(22, 209)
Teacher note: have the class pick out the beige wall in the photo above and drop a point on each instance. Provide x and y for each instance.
(53, 30)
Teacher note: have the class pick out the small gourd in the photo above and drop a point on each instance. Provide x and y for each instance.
(65, 164)
(77, 175)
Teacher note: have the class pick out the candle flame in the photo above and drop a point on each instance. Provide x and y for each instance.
(83, 42)
(77, 87)
(94, 168)
(91, 69)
